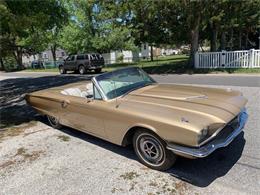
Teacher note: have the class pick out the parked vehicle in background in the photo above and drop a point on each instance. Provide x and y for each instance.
(37, 64)
(82, 63)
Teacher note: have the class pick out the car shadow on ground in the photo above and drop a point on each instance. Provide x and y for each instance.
(127, 151)
(199, 172)
(202, 172)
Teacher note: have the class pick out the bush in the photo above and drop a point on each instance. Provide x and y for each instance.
(10, 63)
(120, 58)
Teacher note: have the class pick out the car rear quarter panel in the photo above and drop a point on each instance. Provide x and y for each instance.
(46, 103)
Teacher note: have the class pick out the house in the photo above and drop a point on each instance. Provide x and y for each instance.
(45, 56)
(146, 51)
(124, 56)
(168, 52)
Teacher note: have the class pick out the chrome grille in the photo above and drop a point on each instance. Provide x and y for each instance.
(229, 128)
(235, 122)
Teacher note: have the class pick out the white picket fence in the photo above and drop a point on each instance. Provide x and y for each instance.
(228, 59)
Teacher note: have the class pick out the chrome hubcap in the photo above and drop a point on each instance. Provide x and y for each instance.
(150, 150)
(81, 70)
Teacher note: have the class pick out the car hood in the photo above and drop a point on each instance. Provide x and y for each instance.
(221, 105)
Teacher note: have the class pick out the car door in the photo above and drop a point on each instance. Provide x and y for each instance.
(87, 61)
(84, 114)
(69, 63)
(80, 60)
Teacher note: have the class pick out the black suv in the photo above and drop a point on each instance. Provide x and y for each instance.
(82, 63)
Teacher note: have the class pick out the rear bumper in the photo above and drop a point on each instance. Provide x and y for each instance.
(95, 67)
(214, 144)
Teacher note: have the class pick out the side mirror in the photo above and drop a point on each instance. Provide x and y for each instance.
(89, 98)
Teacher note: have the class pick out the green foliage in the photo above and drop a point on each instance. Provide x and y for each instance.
(80, 26)
(94, 26)
(120, 58)
(10, 63)
(24, 23)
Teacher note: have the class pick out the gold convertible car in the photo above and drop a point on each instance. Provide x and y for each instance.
(162, 121)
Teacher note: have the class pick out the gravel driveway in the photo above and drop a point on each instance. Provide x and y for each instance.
(37, 159)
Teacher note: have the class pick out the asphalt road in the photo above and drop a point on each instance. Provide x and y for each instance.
(37, 159)
(208, 79)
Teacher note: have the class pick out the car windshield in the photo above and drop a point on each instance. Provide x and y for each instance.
(123, 81)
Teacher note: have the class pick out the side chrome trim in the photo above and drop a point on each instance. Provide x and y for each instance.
(211, 146)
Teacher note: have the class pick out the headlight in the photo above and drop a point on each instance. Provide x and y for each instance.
(209, 131)
(203, 134)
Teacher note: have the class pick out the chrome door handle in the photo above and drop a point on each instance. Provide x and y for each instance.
(65, 103)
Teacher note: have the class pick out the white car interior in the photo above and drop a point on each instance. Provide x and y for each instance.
(79, 91)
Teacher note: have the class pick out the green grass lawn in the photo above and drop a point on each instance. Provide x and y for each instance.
(177, 64)
(41, 70)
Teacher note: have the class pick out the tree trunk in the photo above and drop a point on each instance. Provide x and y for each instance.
(231, 39)
(194, 41)
(18, 54)
(213, 40)
(240, 39)
(151, 53)
(246, 40)
(53, 52)
(2, 67)
(223, 41)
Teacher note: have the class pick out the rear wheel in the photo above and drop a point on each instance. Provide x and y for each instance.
(151, 151)
(82, 70)
(54, 122)
(98, 70)
(62, 70)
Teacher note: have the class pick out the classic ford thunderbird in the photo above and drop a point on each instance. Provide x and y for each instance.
(161, 121)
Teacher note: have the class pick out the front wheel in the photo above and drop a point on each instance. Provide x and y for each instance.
(82, 70)
(151, 151)
(62, 70)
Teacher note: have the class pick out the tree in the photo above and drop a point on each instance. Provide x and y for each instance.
(149, 22)
(227, 24)
(111, 25)
(23, 21)
(76, 36)
(96, 26)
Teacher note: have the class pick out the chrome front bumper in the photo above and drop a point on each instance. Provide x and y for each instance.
(211, 146)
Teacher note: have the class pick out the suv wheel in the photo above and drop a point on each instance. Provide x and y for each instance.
(151, 151)
(82, 69)
(98, 70)
(62, 70)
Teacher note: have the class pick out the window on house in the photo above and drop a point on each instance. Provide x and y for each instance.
(62, 53)
(144, 46)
